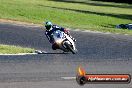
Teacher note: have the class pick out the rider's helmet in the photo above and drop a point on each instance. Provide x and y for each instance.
(48, 25)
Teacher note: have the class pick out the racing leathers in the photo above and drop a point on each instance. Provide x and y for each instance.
(48, 34)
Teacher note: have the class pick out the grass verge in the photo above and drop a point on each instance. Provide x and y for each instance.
(82, 14)
(8, 49)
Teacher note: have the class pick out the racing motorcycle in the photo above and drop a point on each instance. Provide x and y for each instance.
(64, 42)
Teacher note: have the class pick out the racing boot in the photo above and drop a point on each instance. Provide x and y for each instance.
(72, 38)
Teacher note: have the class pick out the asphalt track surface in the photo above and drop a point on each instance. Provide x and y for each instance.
(97, 53)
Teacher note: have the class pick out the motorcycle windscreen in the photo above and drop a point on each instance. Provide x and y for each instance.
(58, 34)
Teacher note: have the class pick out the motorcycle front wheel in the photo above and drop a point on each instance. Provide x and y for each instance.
(70, 48)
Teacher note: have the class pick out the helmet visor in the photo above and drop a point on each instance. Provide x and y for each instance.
(48, 27)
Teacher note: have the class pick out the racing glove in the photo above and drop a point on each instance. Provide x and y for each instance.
(66, 31)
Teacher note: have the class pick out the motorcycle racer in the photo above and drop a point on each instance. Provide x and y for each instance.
(50, 28)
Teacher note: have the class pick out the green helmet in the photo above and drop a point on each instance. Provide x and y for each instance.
(48, 25)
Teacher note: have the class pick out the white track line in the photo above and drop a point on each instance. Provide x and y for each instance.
(22, 54)
(19, 54)
(68, 78)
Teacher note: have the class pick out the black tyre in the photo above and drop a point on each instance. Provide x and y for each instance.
(70, 48)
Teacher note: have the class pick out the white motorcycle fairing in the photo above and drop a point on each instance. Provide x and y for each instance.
(64, 41)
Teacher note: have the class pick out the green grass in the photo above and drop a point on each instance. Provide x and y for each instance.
(82, 14)
(8, 49)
